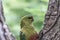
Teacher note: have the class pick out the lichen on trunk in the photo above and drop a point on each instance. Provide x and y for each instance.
(51, 29)
(5, 34)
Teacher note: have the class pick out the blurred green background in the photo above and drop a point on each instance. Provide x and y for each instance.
(14, 10)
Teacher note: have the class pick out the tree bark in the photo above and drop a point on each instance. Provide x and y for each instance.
(51, 29)
(5, 34)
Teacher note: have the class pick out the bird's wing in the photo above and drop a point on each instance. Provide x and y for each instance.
(22, 36)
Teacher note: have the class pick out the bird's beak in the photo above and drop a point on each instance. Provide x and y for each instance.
(32, 19)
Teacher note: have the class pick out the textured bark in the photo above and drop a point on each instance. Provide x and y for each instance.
(51, 29)
(5, 34)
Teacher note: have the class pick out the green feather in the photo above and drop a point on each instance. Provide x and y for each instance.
(27, 28)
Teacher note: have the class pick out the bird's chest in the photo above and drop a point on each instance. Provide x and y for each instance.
(28, 32)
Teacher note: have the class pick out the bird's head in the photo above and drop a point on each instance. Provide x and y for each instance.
(27, 20)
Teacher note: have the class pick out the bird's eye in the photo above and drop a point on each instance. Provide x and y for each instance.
(29, 17)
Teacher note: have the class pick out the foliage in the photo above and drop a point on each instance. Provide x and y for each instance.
(15, 9)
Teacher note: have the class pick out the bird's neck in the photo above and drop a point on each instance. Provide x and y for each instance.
(28, 26)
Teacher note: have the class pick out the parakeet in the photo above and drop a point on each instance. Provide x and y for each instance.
(27, 30)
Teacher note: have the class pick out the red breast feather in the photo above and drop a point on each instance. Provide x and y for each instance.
(34, 37)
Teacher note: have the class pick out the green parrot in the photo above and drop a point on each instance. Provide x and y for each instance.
(27, 30)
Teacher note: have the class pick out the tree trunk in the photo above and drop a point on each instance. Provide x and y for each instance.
(51, 29)
(5, 34)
